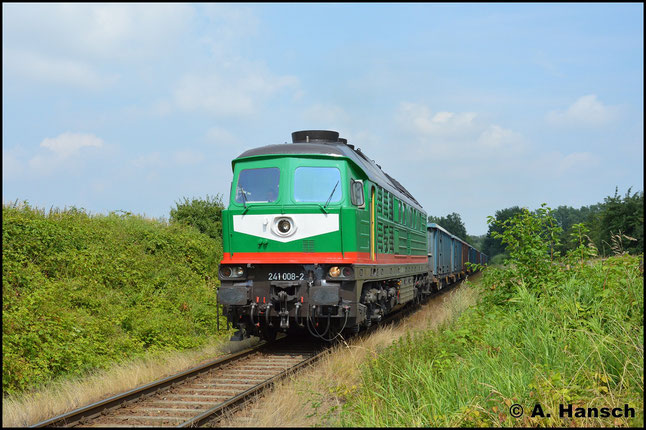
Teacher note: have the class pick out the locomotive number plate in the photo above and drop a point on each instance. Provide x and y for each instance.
(286, 276)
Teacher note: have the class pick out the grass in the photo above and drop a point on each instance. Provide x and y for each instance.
(578, 341)
(68, 393)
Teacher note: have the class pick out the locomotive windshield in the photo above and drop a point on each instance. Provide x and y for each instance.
(258, 185)
(317, 184)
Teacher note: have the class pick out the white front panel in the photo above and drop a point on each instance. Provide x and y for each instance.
(305, 225)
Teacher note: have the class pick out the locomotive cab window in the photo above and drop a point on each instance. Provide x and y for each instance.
(317, 184)
(258, 185)
(356, 190)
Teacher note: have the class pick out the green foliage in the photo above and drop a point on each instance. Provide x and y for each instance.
(205, 215)
(582, 248)
(498, 259)
(548, 330)
(567, 217)
(530, 239)
(476, 241)
(492, 245)
(452, 223)
(614, 226)
(81, 292)
(623, 217)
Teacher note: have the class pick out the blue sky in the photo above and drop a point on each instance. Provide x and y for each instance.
(472, 107)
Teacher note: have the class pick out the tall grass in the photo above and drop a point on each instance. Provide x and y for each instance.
(560, 332)
(83, 292)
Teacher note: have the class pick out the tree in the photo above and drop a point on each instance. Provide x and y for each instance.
(530, 239)
(622, 218)
(567, 217)
(476, 241)
(452, 223)
(492, 245)
(205, 215)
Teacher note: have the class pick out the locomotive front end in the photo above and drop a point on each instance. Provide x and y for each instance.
(286, 263)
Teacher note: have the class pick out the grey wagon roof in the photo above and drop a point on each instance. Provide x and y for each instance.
(338, 149)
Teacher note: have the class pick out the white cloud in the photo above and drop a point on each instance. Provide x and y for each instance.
(151, 160)
(65, 150)
(448, 135)
(585, 111)
(46, 69)
(564, 165)
(68, 144)
(187, 158)
(162, 108)
(98, 30)
(420, 119)
(221, 137)
(548, 64)
(236, 90)
(227, 25)
(11, 165)
(497, 138)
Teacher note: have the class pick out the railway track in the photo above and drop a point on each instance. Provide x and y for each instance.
(205, 393)
(198, 395)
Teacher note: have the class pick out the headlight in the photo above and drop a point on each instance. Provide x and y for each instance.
(340, 272)
(284, 226)
(231, 272)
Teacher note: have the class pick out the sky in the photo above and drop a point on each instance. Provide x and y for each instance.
(472, 107)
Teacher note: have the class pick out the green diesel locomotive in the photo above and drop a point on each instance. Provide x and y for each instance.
(317, 237)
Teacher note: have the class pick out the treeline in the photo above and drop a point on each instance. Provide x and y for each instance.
(617, 223)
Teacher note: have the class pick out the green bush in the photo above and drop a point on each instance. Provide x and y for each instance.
(622, 218)
(205, 215)
(81, 291)
(546, 331)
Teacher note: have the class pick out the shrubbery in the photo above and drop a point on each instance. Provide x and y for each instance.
(203, 214)
(82, 291)
(549, 330)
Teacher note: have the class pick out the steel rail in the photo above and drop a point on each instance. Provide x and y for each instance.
(218, 411)
(91, 411)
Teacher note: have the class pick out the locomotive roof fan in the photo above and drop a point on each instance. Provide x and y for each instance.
(316, 136)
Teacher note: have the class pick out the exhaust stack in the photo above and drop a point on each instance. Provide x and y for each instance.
(316, 136)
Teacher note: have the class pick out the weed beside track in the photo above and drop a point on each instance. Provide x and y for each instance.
(549, 330)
